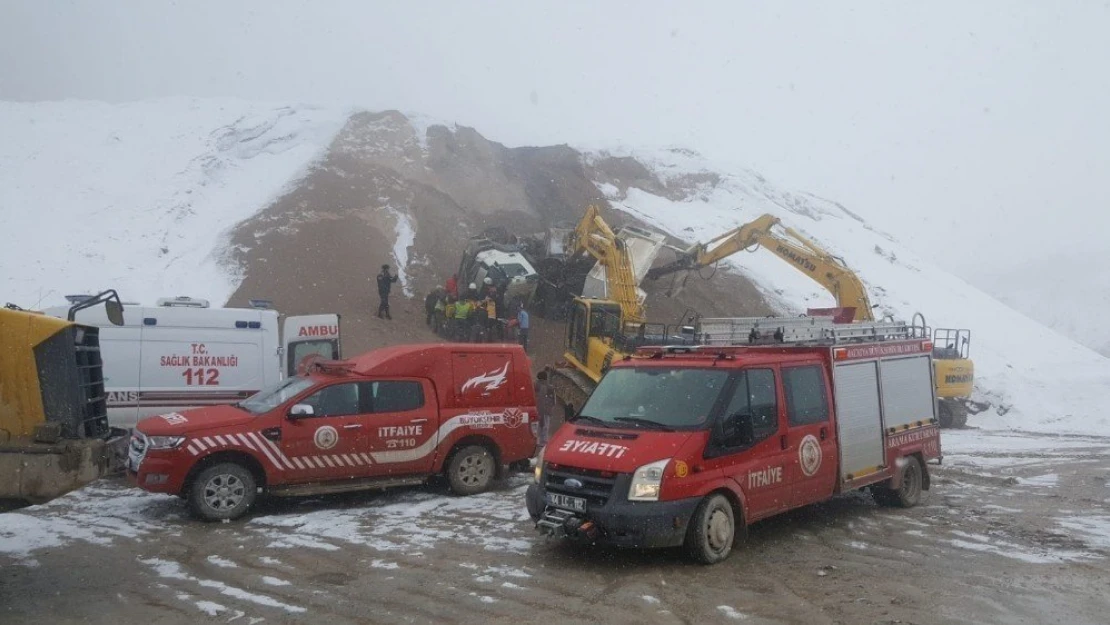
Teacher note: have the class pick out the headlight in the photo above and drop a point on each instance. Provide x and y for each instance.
(647, 481)
(164, 442)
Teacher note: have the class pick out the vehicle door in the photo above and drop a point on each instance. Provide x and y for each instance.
(404, 423)
(811, 437)
(327, 440)
(746, 446)
(310, 336)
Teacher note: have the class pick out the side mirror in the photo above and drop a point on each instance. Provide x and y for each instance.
(737, 430)
(115, 312)
(300, 411)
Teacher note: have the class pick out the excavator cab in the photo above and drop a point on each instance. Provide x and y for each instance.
(950, 343)
(592, 319)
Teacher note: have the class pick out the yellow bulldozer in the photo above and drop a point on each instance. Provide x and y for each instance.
(54, 431)
(954, 370)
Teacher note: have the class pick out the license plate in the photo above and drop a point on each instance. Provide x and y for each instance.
(566, 501)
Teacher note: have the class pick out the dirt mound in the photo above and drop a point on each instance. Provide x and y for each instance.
(382, 194)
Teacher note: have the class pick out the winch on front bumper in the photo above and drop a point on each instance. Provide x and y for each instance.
(615, 520)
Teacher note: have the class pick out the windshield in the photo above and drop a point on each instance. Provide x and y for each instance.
(655, 397)
(513, 270)
(275, 395)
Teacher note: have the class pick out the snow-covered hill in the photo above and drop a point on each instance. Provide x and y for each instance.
(138, 196)
(141, 197)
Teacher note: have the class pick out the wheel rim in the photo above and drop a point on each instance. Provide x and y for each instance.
(911, 482)
(224, 492)
(475, 469)
(718, 531)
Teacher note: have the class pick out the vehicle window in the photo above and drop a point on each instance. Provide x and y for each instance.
(755, 395)
(513, 270)
(664, 397)
(393, 396)
(275, 395)
(805, 395)
(301, 350)
(336, 400)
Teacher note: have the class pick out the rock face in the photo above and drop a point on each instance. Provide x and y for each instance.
(388, 193)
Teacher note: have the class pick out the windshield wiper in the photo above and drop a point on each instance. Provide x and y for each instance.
(646, 423)
(583, 417)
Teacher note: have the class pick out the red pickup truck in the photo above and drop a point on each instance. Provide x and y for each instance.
(690, 445)
(394, 416)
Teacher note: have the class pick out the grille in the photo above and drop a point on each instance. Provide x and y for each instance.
(596, 489)
(90, 374)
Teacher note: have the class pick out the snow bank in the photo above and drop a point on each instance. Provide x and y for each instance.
(139, 197)
(1036, 379)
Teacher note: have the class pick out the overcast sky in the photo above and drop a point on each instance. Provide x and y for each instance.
(979, 125)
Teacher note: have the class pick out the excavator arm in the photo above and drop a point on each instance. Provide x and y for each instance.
(802, 253)
(594, 237)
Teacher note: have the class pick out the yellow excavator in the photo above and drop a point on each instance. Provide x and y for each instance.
(954, 370)
(54, 432)
(598, 330)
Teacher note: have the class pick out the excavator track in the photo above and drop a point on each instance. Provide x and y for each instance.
(571, 388)
(951, 412)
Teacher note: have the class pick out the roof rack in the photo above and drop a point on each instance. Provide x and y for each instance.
(738, 331)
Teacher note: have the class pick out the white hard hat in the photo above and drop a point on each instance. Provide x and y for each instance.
(488, 280)
(473, 286)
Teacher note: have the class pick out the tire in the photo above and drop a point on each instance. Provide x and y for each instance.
(712, 530)
(222, 492)
(909, 494)
(951, 413)
(471, 470)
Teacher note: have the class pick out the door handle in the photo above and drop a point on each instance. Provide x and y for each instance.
(419, 421)
(352, 426)
(783, 441)
(824, 433)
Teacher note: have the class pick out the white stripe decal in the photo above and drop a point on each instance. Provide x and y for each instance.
(208, 441)
(246, 442)
(200, 445)
(221, 440)
(319, 463)
(192, 450)
(297, 461)
(365, 458)
(338, 460)
(254, 437)
(277, 452)
(328, 461)
(351, 460)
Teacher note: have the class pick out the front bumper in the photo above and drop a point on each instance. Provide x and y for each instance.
(644, 524)
(155, 470)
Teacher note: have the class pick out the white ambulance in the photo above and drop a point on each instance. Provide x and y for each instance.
(182, 354)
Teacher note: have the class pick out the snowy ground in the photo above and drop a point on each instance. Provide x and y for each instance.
(1015, 529)
(1036, 379)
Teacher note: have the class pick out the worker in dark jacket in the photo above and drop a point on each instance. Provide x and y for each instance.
(385, 283)
(430, 305)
